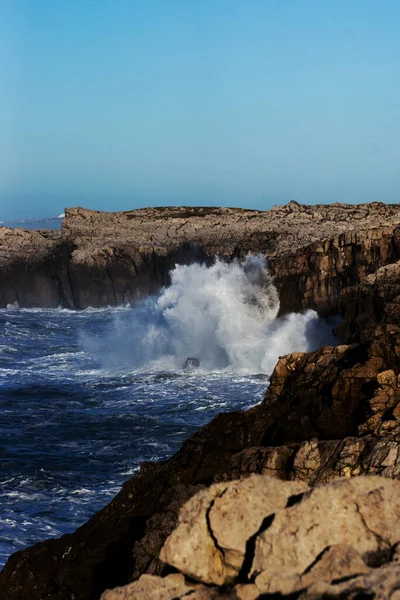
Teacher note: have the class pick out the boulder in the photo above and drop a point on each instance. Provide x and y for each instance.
(209, 543)
(261, 537)
(362, 513)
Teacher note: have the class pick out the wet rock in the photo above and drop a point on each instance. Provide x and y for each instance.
(191, 363)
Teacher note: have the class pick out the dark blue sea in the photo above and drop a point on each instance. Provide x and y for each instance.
(86, 396)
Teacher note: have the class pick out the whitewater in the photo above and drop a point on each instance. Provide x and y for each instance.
(85, 397)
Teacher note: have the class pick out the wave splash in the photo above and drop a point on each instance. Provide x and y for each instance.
(224, 314)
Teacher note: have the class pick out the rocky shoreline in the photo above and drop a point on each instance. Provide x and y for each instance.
(327, 414)
(100, 259)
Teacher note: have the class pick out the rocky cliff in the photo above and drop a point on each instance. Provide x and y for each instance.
(101, 259)
(334, 412)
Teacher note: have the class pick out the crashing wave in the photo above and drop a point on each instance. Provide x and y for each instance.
(224, 314)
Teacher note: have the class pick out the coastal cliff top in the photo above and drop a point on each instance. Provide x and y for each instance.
(293, 224)
(287, 228)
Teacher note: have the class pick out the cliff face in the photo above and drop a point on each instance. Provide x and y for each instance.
(375, 299)
(100, 259)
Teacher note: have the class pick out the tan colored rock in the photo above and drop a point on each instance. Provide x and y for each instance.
(101, 259)
(150, 587)
(363, 513)
(247, 591)
(377, 584)
(337, 562)
(273, 461)
(190, 548)
(334, 541)
(240, 512)
(209, 543)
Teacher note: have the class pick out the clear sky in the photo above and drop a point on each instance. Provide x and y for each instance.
(115, 104)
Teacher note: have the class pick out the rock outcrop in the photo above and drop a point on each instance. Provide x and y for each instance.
(100, 259)
(258, 536)
(369, 303)
(216, 524)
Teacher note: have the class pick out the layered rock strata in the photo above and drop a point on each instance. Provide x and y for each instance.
(375, 299)
(100, 259)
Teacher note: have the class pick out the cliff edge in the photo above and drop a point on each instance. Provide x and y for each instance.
(107, 259)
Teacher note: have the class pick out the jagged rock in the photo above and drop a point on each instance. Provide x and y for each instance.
(209, 543)
(319, 461)
(331, 413)
(301, 537)
(335, 392)
(377, 584)
(191, 547)
(146, 550)
(273, 461)
(336, 562)
(335, 540)
(373, 301)
(318, 399)
(362, 513)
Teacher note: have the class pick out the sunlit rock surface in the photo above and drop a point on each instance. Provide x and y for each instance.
(264, 536)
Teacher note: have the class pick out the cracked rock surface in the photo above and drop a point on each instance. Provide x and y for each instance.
(217, 523)
(337, 539)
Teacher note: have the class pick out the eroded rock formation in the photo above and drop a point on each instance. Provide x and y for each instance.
(375, 299)
(101, 259)
(261, 536)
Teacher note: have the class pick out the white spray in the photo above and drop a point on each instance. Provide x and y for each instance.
(224, 314)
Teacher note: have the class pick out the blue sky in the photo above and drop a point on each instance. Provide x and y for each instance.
(116, 104)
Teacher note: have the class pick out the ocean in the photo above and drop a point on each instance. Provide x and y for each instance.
(86, 396)
(46, 223)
